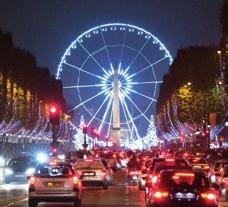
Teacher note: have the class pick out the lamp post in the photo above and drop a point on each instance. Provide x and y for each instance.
(85, 130)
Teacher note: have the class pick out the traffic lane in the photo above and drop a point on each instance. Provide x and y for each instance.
(115, 196)
(11, 193)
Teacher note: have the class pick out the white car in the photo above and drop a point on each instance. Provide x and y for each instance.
(54, 183)
(92, 172)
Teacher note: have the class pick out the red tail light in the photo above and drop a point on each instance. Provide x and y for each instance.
(208, 196)
(160, 195)
(75, 180)
(32, 180)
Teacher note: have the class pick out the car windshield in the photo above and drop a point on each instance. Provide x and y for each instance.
(54, 171)
(89, 164)
(183, 179)
(159, 168)
(21, 163)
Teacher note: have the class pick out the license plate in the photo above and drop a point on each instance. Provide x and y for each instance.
(197, 166)
(19, 176)
(54, 184)
(185, 195)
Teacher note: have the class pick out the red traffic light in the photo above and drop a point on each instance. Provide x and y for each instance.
(54, 114)
(53, 109)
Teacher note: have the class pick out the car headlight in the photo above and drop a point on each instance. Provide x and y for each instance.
(41, 157)
(30, 171)
(2, 161)
(8, 171)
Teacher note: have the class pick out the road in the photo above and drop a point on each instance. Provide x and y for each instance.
(118, 195)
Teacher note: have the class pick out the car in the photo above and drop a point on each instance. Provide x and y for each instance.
(54, 183)
(109, 171)
(199, 164)
(19, 168)
(152, 179)
(111, 158)
(92, 172)
(177, 188)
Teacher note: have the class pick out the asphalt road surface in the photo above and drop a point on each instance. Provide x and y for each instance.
(118, 195)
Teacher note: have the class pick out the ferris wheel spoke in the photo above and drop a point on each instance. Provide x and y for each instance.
(89, 99)
(142, 83)
(105, 114)
(138, 53)
(142, 113)
(105, 45)
(83, 86)
(147, 67)
(98, 110)
(143, 95)
(122, 46)
(93, 58)
(84, 71)
(132, 121)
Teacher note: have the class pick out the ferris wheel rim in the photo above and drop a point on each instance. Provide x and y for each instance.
(107, 25)
(76, 41)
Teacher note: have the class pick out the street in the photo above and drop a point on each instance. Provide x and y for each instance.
(118, 195)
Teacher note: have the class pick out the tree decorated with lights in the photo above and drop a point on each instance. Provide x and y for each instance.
(151, 138)
(79, 135)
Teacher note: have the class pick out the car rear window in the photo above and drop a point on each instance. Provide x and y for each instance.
(89, 164)
(183, 179)
(54, 171)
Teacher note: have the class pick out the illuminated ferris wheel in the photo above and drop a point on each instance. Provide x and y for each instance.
(109, 57)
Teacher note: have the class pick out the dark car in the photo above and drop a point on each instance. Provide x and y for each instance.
(177, 188)
(19, 168)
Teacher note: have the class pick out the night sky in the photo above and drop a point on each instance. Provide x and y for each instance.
(47, 27)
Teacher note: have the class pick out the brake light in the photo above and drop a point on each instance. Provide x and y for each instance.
(160, 195)
(169, 160)
(206, 167)
(184, 174)
(208, 196)
(53, 162)
(75, 180)
(32, 180)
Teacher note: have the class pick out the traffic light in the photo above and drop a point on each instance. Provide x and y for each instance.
(54, 114)
(93, 132)
(54, 151)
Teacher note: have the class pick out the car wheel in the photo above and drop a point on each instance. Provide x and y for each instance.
(226, 195)
(32, 203)
(141, 187)
(105, 186)
(77, 203)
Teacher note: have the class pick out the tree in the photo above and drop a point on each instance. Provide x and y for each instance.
(151, 138)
